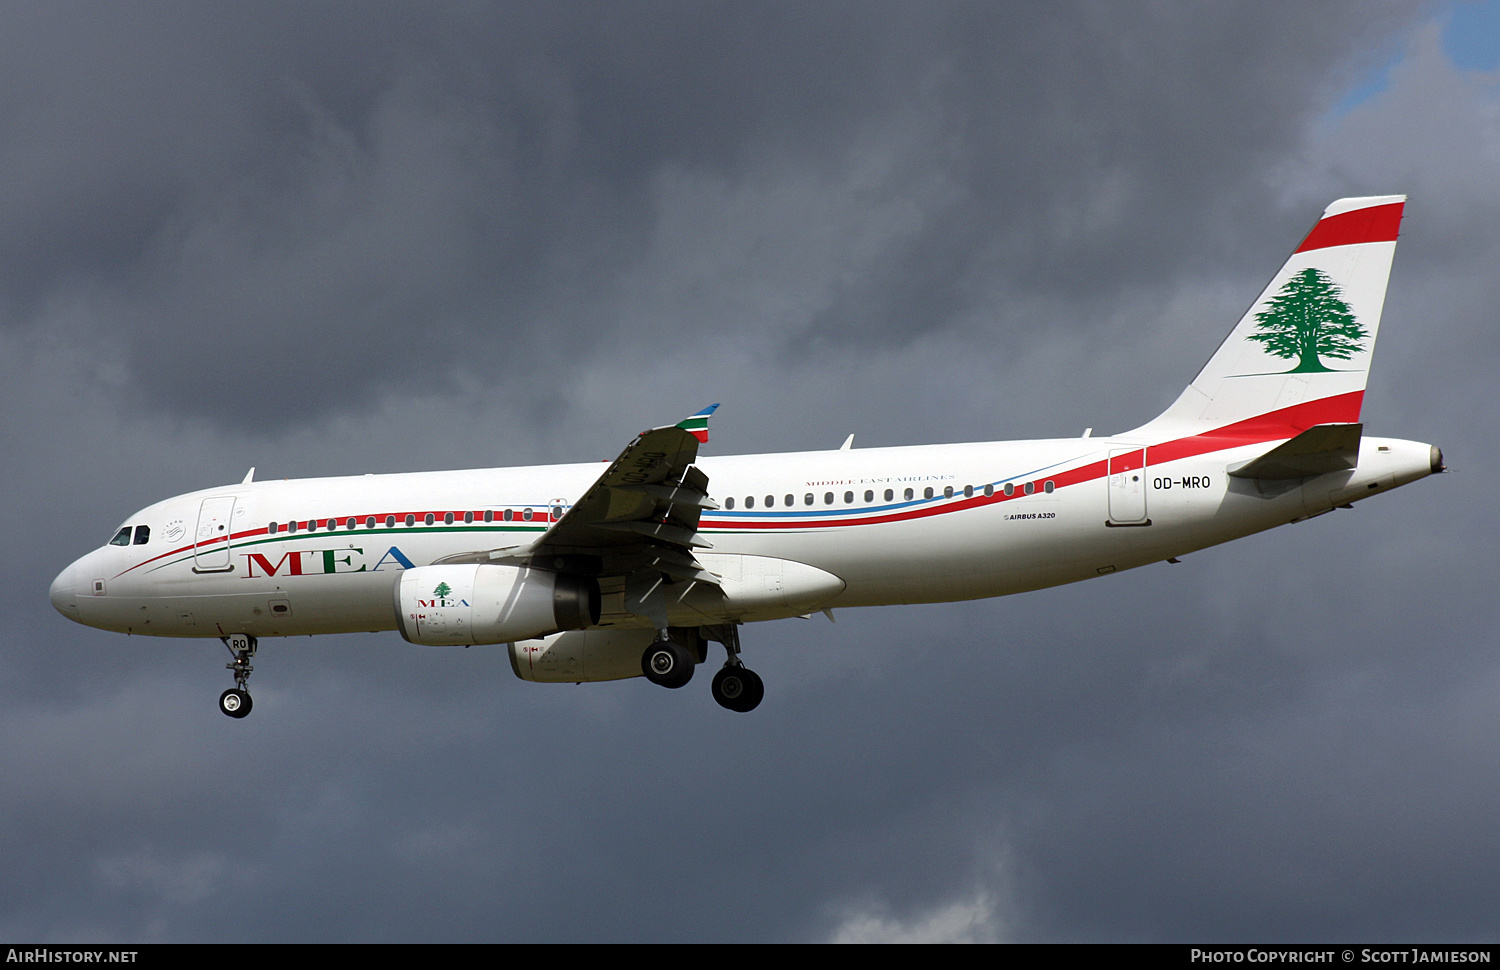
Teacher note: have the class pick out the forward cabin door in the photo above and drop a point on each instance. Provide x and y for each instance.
(215, 530)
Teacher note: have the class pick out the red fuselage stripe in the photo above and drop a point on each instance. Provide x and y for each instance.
(1272, 426)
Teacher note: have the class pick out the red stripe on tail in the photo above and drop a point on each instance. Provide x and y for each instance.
(1378, 223)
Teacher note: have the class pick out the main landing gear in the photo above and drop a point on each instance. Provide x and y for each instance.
(670, 664)
(667, 663)
(738, 688)
(236, 702)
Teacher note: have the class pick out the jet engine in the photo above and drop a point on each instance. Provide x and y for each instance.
(483, 603)
(587, 655)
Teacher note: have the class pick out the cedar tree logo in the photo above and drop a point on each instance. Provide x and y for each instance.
(1309, 320)
(442, 595)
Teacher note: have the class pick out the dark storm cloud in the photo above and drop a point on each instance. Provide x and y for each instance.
(424, 185)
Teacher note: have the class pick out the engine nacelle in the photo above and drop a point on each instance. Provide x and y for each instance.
(585, 655)
(483, 603)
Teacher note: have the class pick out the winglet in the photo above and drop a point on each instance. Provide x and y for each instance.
(697, 424)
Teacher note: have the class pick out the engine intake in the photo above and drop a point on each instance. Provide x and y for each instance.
(481, 603)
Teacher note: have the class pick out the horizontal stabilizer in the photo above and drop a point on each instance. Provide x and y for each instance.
(1320, 449)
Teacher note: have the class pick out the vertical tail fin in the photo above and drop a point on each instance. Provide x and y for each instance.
(1301, 353)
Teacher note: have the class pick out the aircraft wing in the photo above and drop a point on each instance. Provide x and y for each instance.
(639, 520)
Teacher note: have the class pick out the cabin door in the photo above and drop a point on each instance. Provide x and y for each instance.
(1127, 487)
(211, 543)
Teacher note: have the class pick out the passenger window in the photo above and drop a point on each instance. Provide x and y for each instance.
(889, 495)
(489, 515)
(509, 514)
(848, 498)
(869, 496)
(468, 518)
(749, 501)
(390, 521)
(927, 493)
(910, 494)
(1048, 488)
(827, 498)
(770, 501)
(729, 503)
(411, 520)
(271, 529)
(142, 534)
(370, 522)
(526, 514)
(968, 491)
(948, 492)
(448, 519)
(807, 499)
(989, 491)
(1030, 488)
(1010, 489)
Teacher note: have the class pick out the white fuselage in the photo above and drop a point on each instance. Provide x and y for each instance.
(893, 525)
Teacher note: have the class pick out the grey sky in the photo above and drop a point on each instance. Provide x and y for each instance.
(374, 238)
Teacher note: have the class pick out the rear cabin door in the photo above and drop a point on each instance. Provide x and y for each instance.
(1127, 487)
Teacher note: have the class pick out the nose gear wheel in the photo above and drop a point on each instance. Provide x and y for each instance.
(236, 702)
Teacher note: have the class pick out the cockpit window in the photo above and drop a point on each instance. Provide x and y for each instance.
(122, 538)
(142, 534)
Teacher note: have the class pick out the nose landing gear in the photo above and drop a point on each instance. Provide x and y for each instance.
(236, 702)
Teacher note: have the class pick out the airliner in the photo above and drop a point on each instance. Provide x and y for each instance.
(586, 576)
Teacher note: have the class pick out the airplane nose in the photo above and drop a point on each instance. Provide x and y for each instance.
(64, 593)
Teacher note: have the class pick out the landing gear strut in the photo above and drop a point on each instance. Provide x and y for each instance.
(235, 702)
(668, 663)
(736, 687)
